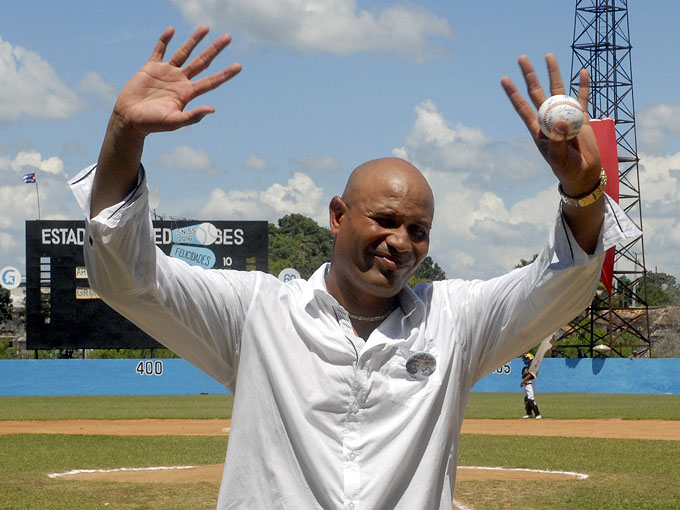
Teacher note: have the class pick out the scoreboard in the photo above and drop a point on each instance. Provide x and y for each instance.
(63, 312)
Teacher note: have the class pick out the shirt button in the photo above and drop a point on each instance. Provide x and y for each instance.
(350, 506)
(352, 456)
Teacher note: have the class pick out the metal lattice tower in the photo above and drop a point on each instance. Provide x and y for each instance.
(602, 46)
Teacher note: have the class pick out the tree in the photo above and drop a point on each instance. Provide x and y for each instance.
(662, 289)
(6, 307)
(298, 242)
(428, 271)
(523, 262)
(7, 352)
(131, 353)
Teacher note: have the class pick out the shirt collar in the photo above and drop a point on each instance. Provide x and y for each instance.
(411, 305)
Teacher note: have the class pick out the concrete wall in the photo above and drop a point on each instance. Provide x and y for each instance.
(177, 377)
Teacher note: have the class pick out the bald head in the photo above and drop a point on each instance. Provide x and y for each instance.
(388, 175)
(382, 227)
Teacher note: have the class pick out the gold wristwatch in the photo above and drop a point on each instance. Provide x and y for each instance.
(588, 198)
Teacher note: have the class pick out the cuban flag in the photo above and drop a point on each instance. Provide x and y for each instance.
(30, 178)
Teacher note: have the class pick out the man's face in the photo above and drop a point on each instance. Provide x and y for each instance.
(383, 231)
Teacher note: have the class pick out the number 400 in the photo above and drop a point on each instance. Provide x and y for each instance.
(149, 367)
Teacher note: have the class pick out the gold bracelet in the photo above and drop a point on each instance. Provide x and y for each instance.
(588, 198)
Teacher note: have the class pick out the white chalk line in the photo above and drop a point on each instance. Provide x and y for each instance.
(461, 506)
(116, 470)
(578, 476)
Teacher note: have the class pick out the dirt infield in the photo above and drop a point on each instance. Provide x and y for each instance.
(119, 427)
(614, 428)
(601, 429)
(622, 429)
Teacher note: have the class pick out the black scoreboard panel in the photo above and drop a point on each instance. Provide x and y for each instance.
(63, 312)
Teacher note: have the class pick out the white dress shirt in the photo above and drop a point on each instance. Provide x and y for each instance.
(322, 419)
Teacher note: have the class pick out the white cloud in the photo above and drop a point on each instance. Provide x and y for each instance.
(662, 244)
(299, 195)
(539, 210)
(336, 26)
(17, 203)
(459, 258)
(660, 198)
(188, 159)
(318, 165)
(31, 87)
(26, 161)
(154, 198)
(660, 180)
(255, 162)
(7, 242)
(434, 143)
(656, 124)
(518, 160)
(93, 83)
(476, 235)
(233, 204)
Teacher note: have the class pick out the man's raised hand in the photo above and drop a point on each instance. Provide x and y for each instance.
(156, 97)
(575, 162)
(154, 100)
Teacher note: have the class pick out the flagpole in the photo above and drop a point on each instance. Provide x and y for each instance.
(37, 194)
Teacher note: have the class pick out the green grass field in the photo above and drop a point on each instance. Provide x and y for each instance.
(576, 406)
(116, 407)
(624, 474)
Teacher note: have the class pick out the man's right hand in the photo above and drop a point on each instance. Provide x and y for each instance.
(154, 100)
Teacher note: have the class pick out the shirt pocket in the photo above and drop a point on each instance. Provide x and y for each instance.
(412, 376)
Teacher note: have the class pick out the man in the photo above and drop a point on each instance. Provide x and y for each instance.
(528, 382)
(350, 388)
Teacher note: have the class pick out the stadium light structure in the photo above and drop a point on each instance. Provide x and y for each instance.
(602, 46)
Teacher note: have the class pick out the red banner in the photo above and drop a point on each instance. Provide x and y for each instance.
(605, 132)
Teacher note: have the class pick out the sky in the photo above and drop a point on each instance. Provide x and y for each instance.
(325, 86)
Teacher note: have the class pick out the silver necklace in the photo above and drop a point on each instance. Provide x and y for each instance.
(368, 318)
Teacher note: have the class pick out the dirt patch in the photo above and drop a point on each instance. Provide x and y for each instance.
(601, 429)
(119, 427)
(614, 428)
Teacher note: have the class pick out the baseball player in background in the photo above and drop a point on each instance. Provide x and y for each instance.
(528, 382)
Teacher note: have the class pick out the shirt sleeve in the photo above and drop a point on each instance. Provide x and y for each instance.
(498, 319)
(197, 313)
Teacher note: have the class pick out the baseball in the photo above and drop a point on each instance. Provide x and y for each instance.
(206, 234)
(560, 107)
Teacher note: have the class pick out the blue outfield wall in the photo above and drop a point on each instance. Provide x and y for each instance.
(178, 377)
(587, 375)
(104, 377)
